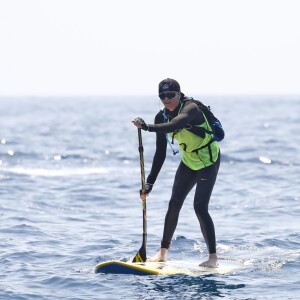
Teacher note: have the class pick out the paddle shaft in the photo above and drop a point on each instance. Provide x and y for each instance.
(141, 151)
(141, 256)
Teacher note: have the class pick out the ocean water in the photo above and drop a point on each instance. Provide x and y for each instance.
(69, 182)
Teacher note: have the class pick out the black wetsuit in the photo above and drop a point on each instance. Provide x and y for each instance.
(185, 178)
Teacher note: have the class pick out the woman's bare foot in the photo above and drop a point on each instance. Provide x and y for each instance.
(160, 256)
(212, 261)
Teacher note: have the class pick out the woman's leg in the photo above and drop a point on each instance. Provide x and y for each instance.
(184, 181)
(206, 179)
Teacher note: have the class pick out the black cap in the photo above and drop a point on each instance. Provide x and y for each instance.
(168, 85)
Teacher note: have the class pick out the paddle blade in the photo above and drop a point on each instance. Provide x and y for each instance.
(141, 255)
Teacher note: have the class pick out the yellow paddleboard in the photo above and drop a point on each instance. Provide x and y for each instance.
(164, 268)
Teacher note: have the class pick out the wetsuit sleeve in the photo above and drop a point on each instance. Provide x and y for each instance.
(160, 152)
(188, 114)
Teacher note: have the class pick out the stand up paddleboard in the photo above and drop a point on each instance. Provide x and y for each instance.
(139, 266)
(164, 268)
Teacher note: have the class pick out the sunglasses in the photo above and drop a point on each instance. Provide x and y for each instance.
(168, 95)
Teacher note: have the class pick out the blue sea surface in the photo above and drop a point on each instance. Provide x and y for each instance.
(69, 186)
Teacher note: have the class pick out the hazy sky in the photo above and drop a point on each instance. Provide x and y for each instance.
(100, 47)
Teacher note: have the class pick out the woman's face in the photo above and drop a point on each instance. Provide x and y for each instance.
(170, 100)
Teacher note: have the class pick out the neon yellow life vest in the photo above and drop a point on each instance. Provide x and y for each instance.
(197, 152)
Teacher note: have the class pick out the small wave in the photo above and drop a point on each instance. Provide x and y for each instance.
(55, 172)
(258, 160)
(264, 256)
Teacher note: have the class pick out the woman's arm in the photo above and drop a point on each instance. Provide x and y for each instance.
(188, 114)
(160, 152)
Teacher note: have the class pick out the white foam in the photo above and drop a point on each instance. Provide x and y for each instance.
(56, 172)
(265, 160)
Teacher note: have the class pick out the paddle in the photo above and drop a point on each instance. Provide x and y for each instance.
(141, 255)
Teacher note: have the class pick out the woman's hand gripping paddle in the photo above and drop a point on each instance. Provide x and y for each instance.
(141, 255)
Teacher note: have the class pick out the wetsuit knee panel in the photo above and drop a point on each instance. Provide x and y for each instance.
(200, 209)
(175, 203)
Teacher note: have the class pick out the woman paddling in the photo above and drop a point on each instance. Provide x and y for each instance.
(199, 165)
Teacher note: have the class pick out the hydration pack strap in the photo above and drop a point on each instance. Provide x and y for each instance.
(209, 149)
(167, 137)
